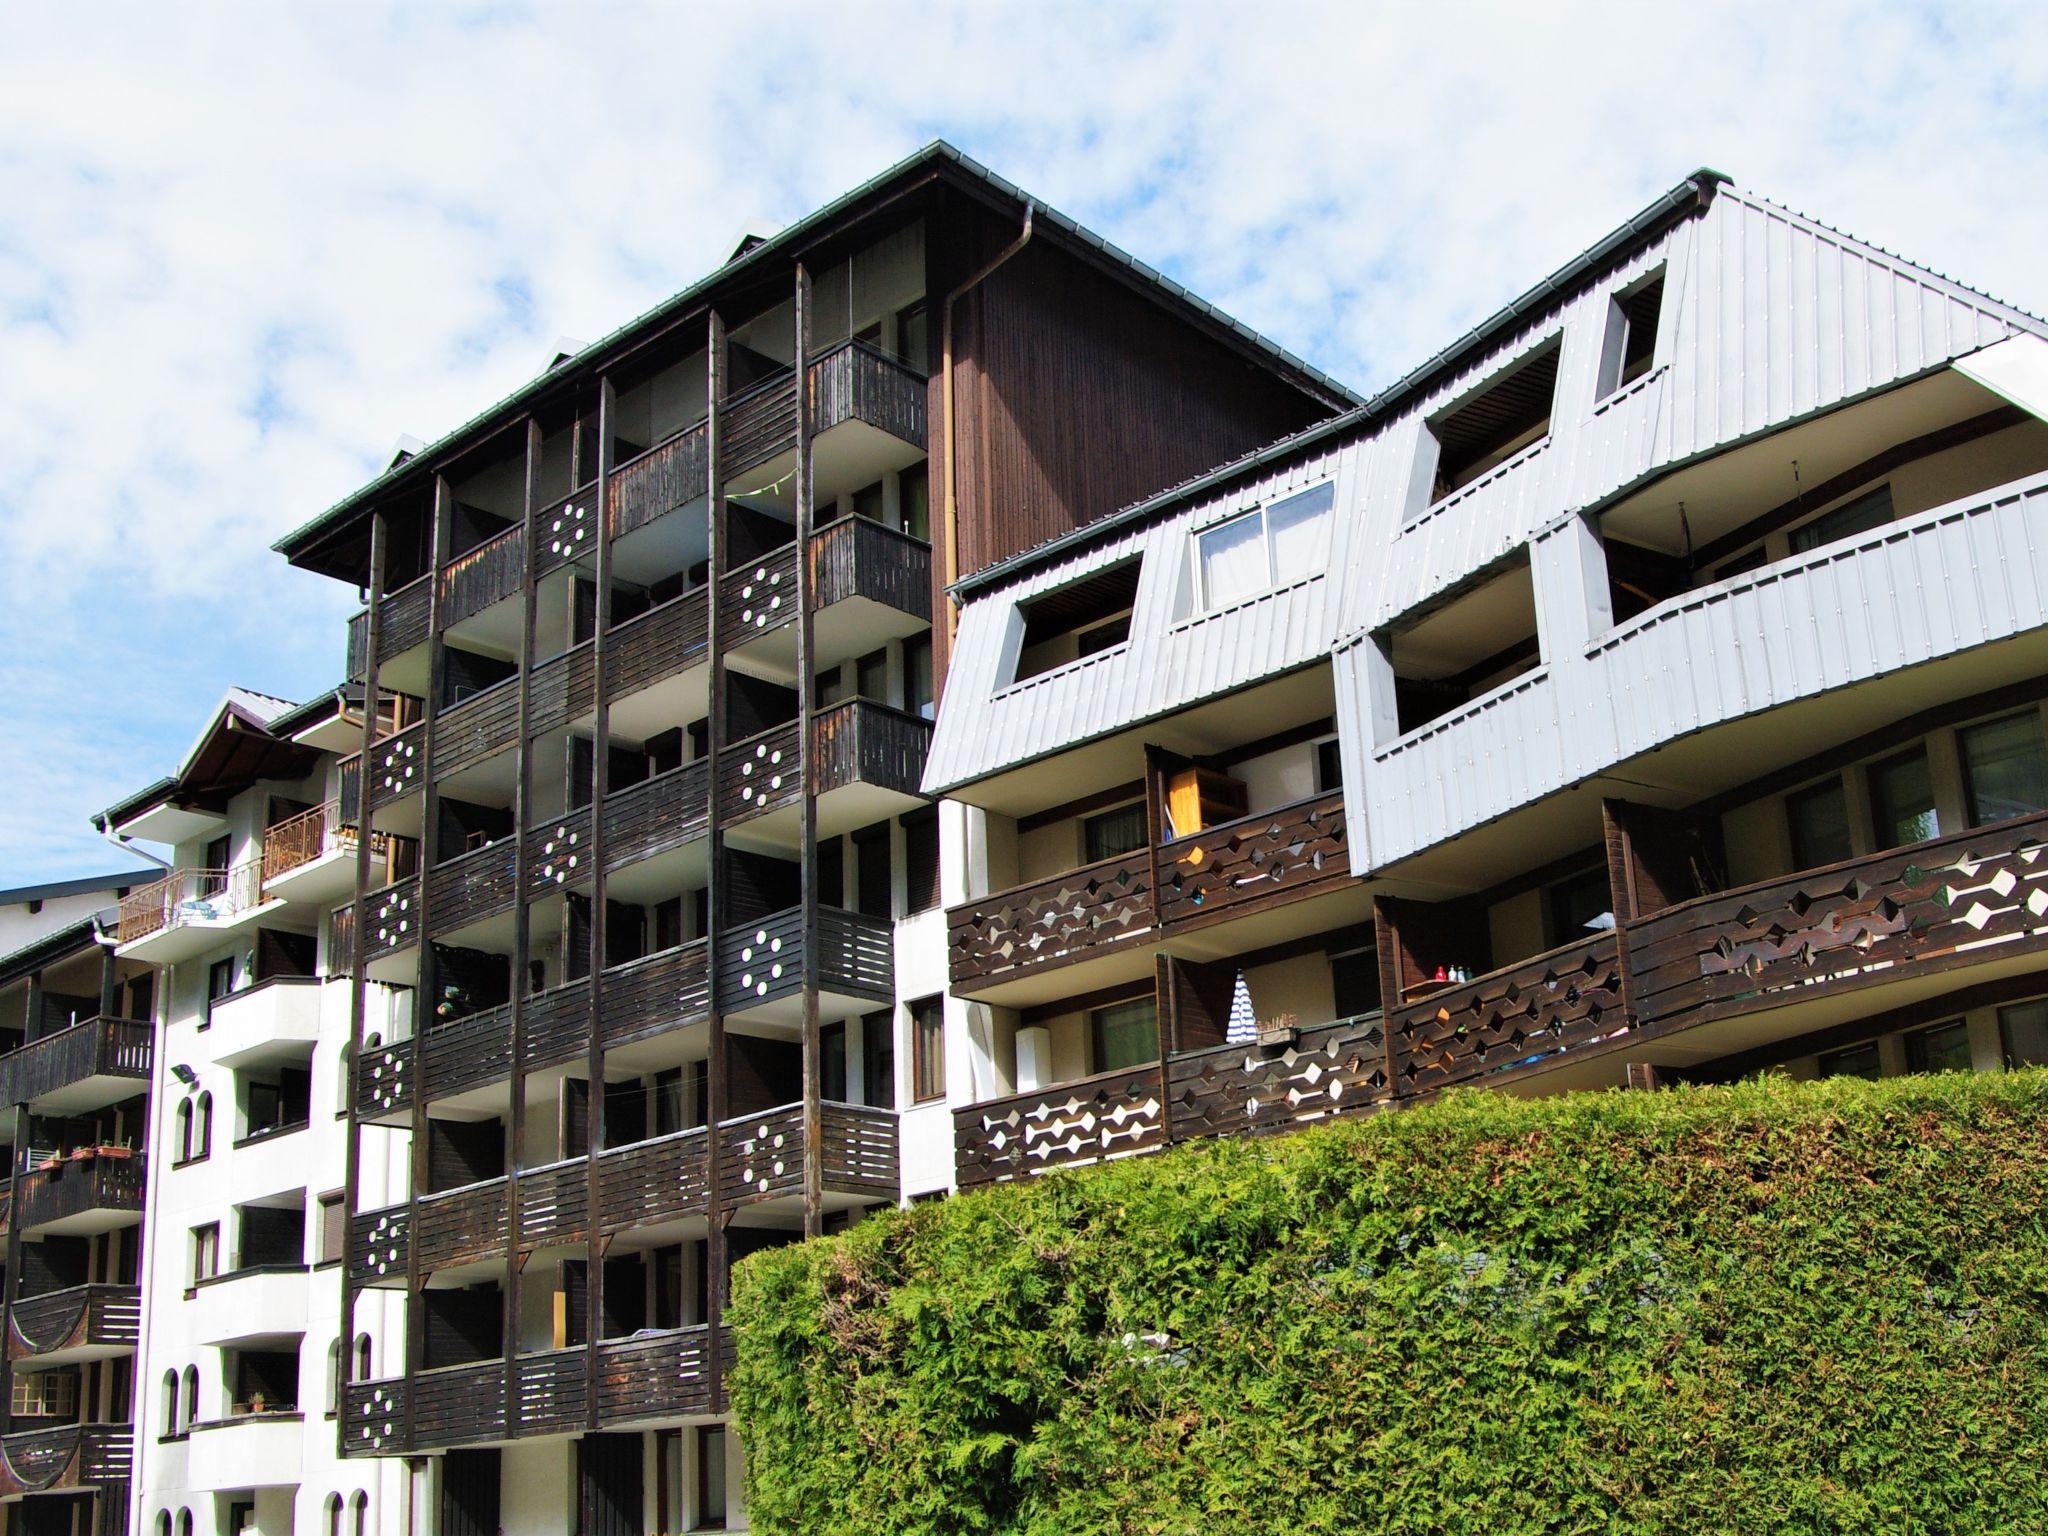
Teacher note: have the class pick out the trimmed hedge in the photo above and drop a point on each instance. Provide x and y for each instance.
(1773, 1307)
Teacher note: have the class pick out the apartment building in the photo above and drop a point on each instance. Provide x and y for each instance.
(75, 1053)
(1647, 687)
(234, 1374)
(648, 662)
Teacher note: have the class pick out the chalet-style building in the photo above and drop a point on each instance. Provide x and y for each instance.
(236, 1397)
(1648, 686)
(649, 659)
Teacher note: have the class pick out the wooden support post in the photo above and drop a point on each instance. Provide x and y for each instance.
(600, 786)
(807, 775)
(716, 1069)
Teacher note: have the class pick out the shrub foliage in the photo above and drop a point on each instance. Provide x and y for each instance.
(1775, 1307)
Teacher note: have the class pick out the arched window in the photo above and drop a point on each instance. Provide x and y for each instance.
(184, 1522)
(362, 1357)
(163, 1522)
(191, 1405)
(362, 1513)
(204, 1131)
(347, 1075)
(334, 1514)
(334, 1378)
(170, 1428)
(184, 1155)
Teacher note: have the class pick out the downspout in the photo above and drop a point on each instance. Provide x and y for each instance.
(122, 843)
(946, 398)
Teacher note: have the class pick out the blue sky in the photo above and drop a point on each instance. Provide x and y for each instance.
(244, 247)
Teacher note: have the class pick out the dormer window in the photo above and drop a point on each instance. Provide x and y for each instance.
(1490, 427)
(1283, 542)
(1078, 619)
(1630, 344)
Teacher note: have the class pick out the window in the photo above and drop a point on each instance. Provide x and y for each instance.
(1631, 340)
(220, 983)
(1494, 425)
(867, 502)
(927, 1050)
(711, 1477)
(1579, 905)
(1902, 800)
(1284, 542)
(362, 1512)
(45, 1394)
(1102, 637)
(334, 1514)
(872, 676)
(202, 1127)
(163, 1522)
(1355, 982)
(1082, 618)
(1329, 766)
(191, 1396)
(205, 1252)
(913, 335)
(170, 1409)
(1941, 1048)
(213, 881)
(184, 1522)
(1113, 832)
(920, 861)
(333, 1227)
(184, 1130)
(832, 1066)
(1124, 1034)
(1819, 818)
(829, 688)
(1846, 521)
(362, 1357)
(2005, 771)
(914, 499)
(917, 677)
(334, 1378)
(2023, 1029)
(878, 1060)
(1856, 1061)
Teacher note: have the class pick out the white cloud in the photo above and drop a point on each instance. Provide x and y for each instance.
(242, 247)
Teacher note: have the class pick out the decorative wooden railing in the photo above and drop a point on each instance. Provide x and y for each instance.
(460, 1226)
(1552, 1002)
(759, 774)
(1249, 1089)
(670, 475)
(471, 887)
(859, 382)
(862, 742)
(656, 645)
(393, 922)
(656, 814)
(107, 1316)
(477, 727)
(859, 557)
(564, 687)
(479, 577)
(762, 961)
(1255, 861)
(397, 768)
(1112, 1114)
(758, 423)
(65, 1456)
(1077, 915)
(100, 1179)
(565, 531)
(187, 896)
(657, 1376)
(761, 1156)
(405, 625)
(758, 597)
(113, 1048)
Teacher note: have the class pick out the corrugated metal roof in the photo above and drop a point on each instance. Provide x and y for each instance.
(937, 152)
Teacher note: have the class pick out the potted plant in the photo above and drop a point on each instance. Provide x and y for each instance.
(1281, 1029)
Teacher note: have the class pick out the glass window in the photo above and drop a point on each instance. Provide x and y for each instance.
(832, 1069)
(1902, 800)
(2024, 1029)
(1577, 906)
(711, 1477)
(1329, 766)
(927, 1049)
(872, 671)
(1846, 521)
(1940, 1048)
(917, 676)
(1287, 541)
(878, 1060)
(1100, 638)
(1113, 832)
(205, 1251)
(1857, 1061)
(914, 498)
(2005, 770)
(913, 335)
(867, 502)
(1819, 816)
(1125, 1034)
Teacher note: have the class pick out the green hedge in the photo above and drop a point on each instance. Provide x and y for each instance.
(1772, 1307)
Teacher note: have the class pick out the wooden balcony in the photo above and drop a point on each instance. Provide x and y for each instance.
(649, 1377)
(404, 625)
(80, 1069)
(393, 927)
(664, 479)
(93, 1191)
(650, 654)
(189, 911)
(761, 1157)
(398, 770)
(491, 572)
(867, 763)
(1109, 910)
(565, 531)
(757, 604)
(663, 991)
(1678, 987)
(758, 423)
(760, 965)
(657, 815)
(65, 1457)
(470, 888)
(856, 383)
(81, 1322)
(869, 585)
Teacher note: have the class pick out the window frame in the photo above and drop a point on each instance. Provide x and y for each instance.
(1103, 817)
(1206, 602)
(1915, 1042)
(1097, 1034)
(927, 1049)
(1971, 814)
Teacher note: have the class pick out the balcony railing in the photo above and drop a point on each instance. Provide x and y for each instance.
(759, 422)
(188, 896)
(479, 577)
(859, 382)
(762, 962)
(80, 1316)
(1077, 915)
(64, 1457)
(565, 531)
(404, 625)
(670, 475)
(297, 842)
(1254, 862)
(758, 597)
(473, 886)
(94, 1180)
(761, 1157)
(862, 742)
(119, 1049)
(397, 769)
(1112, 1114)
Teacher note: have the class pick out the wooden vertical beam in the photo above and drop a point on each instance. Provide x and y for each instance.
(807, 840)
(358, 992)
(522, 865)
(600, 786)
(110, 983)
(11, 1281)
(715, 1095)
(429, 983)
(1622, 897)
(1387, 940)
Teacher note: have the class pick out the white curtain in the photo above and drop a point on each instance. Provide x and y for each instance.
(1233, 562)
(1299, 528)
